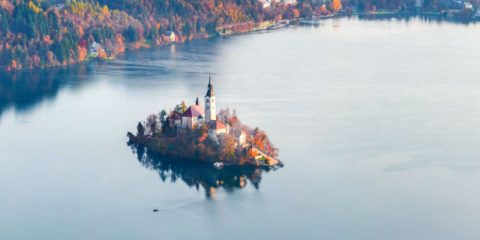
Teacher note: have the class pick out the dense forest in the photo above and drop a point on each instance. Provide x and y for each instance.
(49, 33)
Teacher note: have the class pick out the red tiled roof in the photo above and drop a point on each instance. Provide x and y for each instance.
(217, 124)
(193, 111)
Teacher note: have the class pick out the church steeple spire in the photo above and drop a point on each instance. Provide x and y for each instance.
(210, 91)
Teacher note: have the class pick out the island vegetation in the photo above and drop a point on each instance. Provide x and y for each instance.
(50, 33)
(192, 133)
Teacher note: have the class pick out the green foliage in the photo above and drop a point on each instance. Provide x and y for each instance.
(4, 27)
(24, 20)
(30, 31)
(130, 34)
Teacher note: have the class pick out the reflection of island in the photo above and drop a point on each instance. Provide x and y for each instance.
(23, 90)
(197, 174)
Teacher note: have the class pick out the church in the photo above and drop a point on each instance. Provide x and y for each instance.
(196, 116)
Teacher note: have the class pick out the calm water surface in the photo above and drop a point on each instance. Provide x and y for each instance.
(376, 121)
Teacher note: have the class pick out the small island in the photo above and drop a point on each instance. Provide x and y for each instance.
(201, 134)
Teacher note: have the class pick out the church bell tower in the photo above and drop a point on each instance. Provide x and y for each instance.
(210, 111)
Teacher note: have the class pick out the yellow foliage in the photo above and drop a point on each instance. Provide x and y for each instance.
(78, 7)
(34, 7)
(105, 10)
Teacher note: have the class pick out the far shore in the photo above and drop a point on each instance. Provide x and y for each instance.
(275, 25)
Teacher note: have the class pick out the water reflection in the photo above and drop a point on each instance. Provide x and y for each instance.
(407, 17)
(25, 89)
(201, 175)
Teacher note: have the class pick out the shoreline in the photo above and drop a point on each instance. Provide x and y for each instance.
(251, 27)
(150, 146)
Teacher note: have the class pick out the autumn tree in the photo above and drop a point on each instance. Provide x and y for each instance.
(152, 124)
(162, 115)
(180, 108)
(337, 5)
(259, 137)
(224, 114)
(183, 106)
(228, 147)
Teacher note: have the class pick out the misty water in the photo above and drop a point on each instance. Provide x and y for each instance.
(377, 122)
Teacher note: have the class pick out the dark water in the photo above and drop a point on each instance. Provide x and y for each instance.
(376, 121)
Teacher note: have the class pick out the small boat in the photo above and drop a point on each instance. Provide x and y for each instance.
(218, 165)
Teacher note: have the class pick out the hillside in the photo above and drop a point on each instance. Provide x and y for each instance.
(41, 33)
(38, 34)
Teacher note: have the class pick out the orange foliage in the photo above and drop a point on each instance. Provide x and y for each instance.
(203, 137)
(296, 13)
(259, 140)
(101, 53)
(252, 153)
(105, 10)
(47, 40)
(323, 9)
(337, 5)
(120, 43)
(79, 30)
(7, 5)
(13, 65)
(82, 53)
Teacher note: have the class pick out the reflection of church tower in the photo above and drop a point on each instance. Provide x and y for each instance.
(210, 112)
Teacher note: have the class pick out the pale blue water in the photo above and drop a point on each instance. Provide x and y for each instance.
(376, 121)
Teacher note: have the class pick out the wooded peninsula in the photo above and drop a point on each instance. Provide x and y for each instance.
(51, 33)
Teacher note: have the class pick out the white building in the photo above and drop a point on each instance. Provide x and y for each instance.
(194, 116)
(468, 5)
(291, 2)
(218, 127)
(265, 3)
(210, 111)
(241, 136)
(94, 48)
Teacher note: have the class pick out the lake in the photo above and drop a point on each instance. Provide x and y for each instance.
(377, 123)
